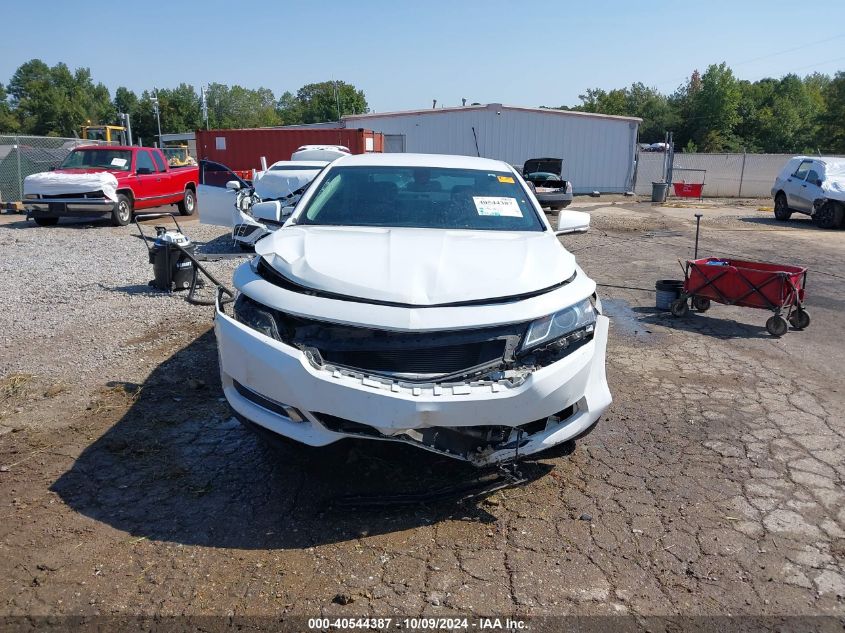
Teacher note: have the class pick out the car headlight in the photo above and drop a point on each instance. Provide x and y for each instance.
(253, 315)
(574, 323)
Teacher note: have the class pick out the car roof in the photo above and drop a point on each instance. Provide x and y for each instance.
(422, 160)
(821, 159)
(300, 163)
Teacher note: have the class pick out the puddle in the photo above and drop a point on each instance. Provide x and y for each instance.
(623, 318)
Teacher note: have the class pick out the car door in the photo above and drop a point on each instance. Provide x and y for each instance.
(215, 202)
(794, 187)
(147, 180)
(810, 190)
(163, 186)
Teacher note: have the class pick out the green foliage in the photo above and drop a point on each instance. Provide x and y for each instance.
(57, 101)
(716, 112)
(8, 121)
(321, 102)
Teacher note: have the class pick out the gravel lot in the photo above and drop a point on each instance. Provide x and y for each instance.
(714, 485)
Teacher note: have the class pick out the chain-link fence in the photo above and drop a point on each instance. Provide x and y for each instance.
(724, 175)
(21, 156)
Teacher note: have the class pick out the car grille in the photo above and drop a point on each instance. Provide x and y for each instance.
(419, 360)
(414, 355)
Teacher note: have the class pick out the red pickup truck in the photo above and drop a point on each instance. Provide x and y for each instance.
(115, 180)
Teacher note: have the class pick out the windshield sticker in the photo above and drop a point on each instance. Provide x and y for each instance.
(507, 207)
(118, 162)
(507, 179)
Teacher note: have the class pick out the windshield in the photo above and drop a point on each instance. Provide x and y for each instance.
(421, 197)
(115, 159)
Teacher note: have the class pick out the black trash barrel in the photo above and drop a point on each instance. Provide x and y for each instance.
(667, 291)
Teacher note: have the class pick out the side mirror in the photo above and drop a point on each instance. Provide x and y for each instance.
(143, 171)
(270, 211)
(572, 222)
(819, 182)
(233, 185)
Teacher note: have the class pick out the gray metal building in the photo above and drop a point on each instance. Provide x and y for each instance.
(598, 150)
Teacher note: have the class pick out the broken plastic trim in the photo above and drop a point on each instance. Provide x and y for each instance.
(470, 443)
(270, 274)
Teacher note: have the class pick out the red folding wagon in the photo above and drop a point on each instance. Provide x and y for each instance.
(774, 287)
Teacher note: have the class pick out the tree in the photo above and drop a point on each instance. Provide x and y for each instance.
(239, 107)
(714, 110)
(8, 120)
(832, 121)
(55, 101)
(321, 102)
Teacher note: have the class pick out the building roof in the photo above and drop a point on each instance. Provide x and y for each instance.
(422, 160)
(490, 106)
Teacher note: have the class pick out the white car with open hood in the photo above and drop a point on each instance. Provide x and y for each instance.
(417, 298)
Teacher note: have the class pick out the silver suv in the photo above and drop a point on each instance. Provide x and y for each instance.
(814, 185)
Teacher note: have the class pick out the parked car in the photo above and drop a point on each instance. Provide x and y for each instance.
(116, 180)
(814, 185)
(253, 209)
(422, 299)
(546, 177)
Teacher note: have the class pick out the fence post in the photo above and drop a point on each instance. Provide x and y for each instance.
(20, 178)
(741, 173)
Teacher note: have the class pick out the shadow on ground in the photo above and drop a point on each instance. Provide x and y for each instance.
(797, 221)
(707, 324)
(176, 467)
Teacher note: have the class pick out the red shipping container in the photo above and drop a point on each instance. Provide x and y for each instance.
(242, 149)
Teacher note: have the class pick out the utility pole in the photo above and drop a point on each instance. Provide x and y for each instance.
(204, 101)
(124, 118)
(337, 99)
(158, 115)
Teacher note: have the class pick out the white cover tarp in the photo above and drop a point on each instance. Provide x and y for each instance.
(51, 183)
(276, 183)
(833, 183)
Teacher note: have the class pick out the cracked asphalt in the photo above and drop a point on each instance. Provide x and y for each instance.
(713, 486)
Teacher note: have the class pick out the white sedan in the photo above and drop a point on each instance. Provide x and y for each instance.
(422, 299)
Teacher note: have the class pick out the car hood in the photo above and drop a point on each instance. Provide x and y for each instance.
(420, 267)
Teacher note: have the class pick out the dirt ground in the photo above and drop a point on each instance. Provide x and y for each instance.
(714, 484)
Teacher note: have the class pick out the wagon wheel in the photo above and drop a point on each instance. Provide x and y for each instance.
(679, 307)
(776, 326)
(799, 319)
(702, 304)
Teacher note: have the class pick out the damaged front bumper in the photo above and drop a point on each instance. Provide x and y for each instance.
(484, 419)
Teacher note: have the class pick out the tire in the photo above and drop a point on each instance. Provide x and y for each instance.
(702, 304)
(679, 307)
(121, 215)
(829, 215)
(782, 211)
(776, 326)
(188, 204)
(799, 319)
(46, 221)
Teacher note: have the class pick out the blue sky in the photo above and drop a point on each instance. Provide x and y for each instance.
(404, 54)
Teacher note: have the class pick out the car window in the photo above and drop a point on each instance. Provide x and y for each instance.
(116, 159)
(216, 175)
(159, 161)
(812, 176)
(803, 169)
(143, 160)
(421, 197)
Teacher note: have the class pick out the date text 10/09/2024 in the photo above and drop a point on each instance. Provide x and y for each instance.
(419, 624)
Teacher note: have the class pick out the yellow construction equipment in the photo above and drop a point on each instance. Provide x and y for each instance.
(109, 133)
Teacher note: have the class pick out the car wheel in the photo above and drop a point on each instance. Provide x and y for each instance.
(121, 215)
(679, 307)
(828, 216)
(799, 319)
(46, 221)
(782, 211)
(189, 203)
(776, 326)
(702, 304)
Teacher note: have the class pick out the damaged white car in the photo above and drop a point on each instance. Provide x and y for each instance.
(814, 185)
(422, 299)
(255, 209)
